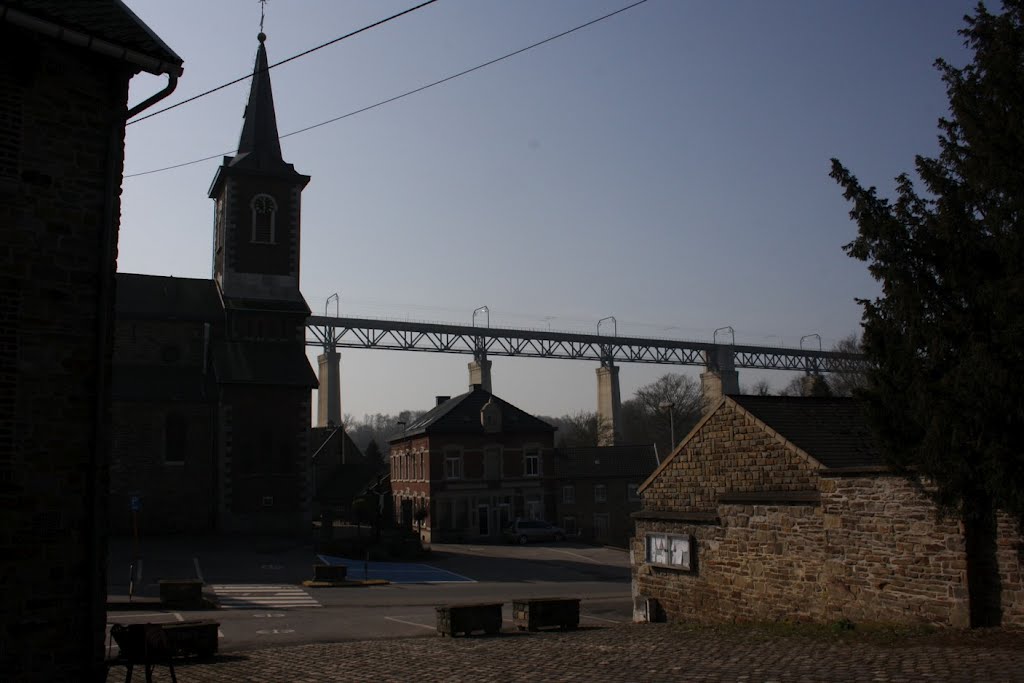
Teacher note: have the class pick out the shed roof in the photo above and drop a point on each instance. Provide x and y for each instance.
(606, 461)
(461, 415)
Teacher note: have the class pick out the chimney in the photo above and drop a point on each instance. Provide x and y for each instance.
(441, 399)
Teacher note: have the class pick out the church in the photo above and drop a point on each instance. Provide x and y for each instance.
(211, 385)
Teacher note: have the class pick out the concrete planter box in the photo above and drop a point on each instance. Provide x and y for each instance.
(181, 592)
(455, 619)
(329, 572)
(543, 612)
(198, 637)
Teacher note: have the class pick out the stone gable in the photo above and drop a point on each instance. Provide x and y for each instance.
(729, 452)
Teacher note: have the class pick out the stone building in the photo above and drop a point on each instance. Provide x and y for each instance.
(779, 508)
(212, 385)
(473, 463)
(598, 488)
(64, 74)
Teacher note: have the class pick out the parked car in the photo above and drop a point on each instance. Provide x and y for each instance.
(526, 530)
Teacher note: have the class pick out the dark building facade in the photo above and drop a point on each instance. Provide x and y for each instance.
(64, 74)
(473, 463)
(598, 489)
(212, 385)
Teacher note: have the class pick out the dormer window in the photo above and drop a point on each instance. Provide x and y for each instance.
(264, 215)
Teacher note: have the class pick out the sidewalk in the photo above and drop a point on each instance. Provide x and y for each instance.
(643, 652)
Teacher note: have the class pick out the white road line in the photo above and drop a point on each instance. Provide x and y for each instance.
(263, 596)
(220, 634)
(612, 621)
(569, 552)
(410, 623)
(179, 617)
(199, 572)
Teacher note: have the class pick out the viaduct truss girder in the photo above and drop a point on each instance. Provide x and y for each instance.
(368, 333)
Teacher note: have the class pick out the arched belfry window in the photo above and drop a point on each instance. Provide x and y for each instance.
(264, 214)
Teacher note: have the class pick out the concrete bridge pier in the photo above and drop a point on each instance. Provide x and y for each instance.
(720, 377)
(480, 371)
(609, 404)
(328, 397)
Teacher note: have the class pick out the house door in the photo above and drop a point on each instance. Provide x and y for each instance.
(407, 513)
(483, 514)
(601, 526)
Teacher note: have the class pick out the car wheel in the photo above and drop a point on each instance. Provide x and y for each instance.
(523, 539)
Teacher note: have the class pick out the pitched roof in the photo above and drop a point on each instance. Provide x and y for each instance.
(461, 415)
(108, 20)
(262, 363)
(831, 430)
(167, 298)
(605, 461)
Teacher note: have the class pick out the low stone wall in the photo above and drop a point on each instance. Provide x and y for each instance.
(1010, 555)
(872, 550)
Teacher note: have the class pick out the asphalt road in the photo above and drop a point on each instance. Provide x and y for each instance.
(258, 582)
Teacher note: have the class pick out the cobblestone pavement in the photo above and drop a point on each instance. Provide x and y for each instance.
(642, 652)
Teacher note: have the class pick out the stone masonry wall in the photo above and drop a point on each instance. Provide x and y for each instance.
(731, 453)
(871, 552)
(1010, 555)
(61, 119)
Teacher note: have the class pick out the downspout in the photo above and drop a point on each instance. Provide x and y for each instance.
(99, 466)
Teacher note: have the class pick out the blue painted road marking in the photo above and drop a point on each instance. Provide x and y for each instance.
(395, 572)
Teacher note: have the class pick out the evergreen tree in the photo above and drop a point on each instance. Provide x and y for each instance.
(946, 336)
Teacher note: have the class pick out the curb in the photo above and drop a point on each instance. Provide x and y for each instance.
(345, 584)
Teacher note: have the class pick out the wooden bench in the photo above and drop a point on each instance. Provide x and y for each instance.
(538, 613)
(455, 619)
(197, 637)
(329, 572)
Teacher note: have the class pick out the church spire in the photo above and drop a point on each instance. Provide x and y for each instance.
(259, 146)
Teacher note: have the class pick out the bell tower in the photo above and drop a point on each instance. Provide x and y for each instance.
(257, 198)
(259, 362)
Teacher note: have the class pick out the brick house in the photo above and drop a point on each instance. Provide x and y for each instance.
(597, 489)
(64, 74)
(212, 386)
(474, 463)
(780, 508)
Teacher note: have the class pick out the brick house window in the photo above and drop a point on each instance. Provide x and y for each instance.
(492, 462)
(668, 550)
(453, 463)
(632, 492)
(600, 493)
(264, 215)
(175, 438)
(531, 461)
(568, 494)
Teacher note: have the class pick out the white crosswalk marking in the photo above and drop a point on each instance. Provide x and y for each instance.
(262, 596)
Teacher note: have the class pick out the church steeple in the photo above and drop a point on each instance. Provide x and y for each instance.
(258, 199)
(259, 146)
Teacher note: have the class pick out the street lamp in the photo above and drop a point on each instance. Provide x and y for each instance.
(669, 407)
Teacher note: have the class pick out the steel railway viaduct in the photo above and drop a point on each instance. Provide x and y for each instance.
(719, 360)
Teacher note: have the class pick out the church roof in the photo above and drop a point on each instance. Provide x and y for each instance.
(262, 363)
(461, 415)
(167, 298)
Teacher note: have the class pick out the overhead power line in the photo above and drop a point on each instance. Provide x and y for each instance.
(283, 61)
(405, 94)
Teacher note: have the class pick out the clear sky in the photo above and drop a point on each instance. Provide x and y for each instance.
(667, 166)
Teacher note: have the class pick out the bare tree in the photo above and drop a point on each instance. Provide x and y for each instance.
(670, 403)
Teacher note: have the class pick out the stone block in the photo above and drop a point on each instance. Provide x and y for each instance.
(543, 612)
(455, 619)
